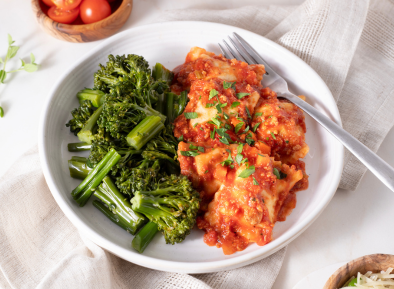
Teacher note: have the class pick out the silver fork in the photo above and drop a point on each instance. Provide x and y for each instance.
(274, 81)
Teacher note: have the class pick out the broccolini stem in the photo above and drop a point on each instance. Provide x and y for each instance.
(148, 128)
(170, 107)
(82, 193)
(161, 103)
(113, 217)
(152, 155)
(160, 72)
(89, 129)
(182, 101)
(109, 195)
(78, 168)
(144, 237)
(96, 96)
(79, 147)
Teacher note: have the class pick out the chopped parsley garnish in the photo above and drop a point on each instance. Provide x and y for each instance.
(244, 161)
(216, 122)
(279, 175)
(199, 97)
(229, 85)
(201, 128)
(256, 126)
(228, 161)
(248, 112)
(213, 93)
(235, 104)
(261, 155)
(247, 172)
(246, 129)
(192, 147)
(194, 125)
(238, 158)
(208, 105)
(258, 114)
(224, 140)
(189, 153)
(213, 133)
(273, 136)
(270, 116)
(238, 126)
(267, 138)
(180, 138)
(219, 108)
(201, 149)
(225, 115)
(227, 126)
(191, 115)
(240, 147)
(249, 140)
(206, 171)
(242, 94)
(287, 141)
(256, 183)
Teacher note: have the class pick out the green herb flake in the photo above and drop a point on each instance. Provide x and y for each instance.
(257, 114)
(248, 112)
(238, 126)
(206, 172)
(194, 125)
(225, 116)
(238, 158)
(224, 140)
(199, 97)
(191, 115)
(213, 133)
(256, 126)
(201, 149)
(201, 128)
(192, 147)
(213, 93)
(247, 172)
(267, 138)
(228, 85)
(256, 183)
(227, 126)
(180, 138)
(208, 105)
(219, 109)
(235, 104)
(240, 147)
(270, 116)
(287, 141)
(242, 94)
(273, 136)
(189, 153)
(261, 155)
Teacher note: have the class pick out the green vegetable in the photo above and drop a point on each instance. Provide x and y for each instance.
(80, 116)
(247, 172)
(82, 193)
(144, 132)
(213, 93)
(273, 136)
(352, 283)
(242, 94)
(96, 96)
(159, 72)
(86, 134)
(78, 167)
(78, 147)
(144, 237)
(191, 115)
(172, 204)
(122, 213)
(11, 53)
(279, 175)
(235, 104)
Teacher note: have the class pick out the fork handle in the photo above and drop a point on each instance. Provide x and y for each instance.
(372, 161)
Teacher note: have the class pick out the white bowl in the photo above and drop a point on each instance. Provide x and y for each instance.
(168, 43)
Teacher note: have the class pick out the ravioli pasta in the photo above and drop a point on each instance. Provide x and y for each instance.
(241, 149)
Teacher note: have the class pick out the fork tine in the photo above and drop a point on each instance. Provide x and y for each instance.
(233, 53)
(244, 55)
(253, 53)
(224, 51)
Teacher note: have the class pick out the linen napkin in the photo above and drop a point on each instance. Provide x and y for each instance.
(349, 43)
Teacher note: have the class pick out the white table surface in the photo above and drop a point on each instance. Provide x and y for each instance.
(354, 223)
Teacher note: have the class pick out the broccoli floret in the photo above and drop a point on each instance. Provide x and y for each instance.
(140, 178)
(96, 96)
(86, 134)
(164, 142)
(172, 205)
(80, 116)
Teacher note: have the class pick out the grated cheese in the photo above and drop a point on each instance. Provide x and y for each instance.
(382, 280)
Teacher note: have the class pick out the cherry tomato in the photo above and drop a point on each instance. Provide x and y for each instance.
(48, 3)
(63, 16)
(67, 4)
(94, 10)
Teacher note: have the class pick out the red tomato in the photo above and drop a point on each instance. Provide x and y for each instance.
(63, 16)
(67, 4)
(48, 3)
(94, 10)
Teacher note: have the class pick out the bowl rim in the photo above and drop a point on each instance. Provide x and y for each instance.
(178, 266)
(345, 267)
(91, 26)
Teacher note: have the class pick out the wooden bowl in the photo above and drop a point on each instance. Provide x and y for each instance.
(84, 32)
(374, 263)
